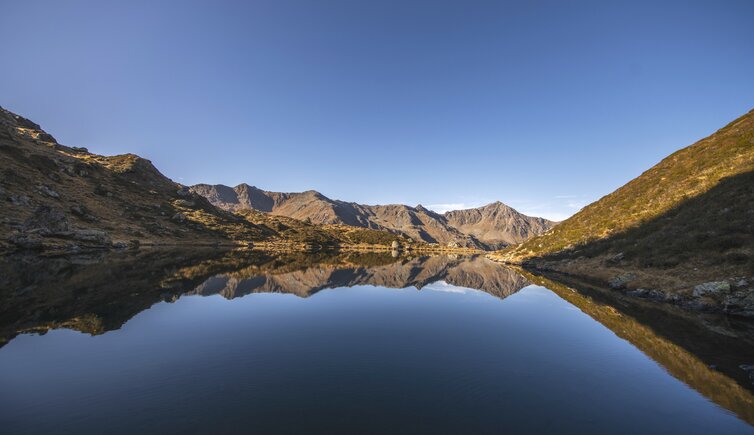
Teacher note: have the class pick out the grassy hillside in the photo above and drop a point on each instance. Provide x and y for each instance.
(682, 176)
(686, 221)
(66, 198)
(295, 230)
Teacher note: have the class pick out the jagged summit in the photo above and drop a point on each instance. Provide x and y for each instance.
(499, 222)
(490, 227)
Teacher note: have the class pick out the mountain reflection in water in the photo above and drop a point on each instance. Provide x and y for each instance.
(101, 292)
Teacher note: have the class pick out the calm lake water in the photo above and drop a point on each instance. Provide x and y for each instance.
(216, 342)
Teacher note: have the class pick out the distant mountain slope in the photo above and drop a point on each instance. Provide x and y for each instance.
(687, 220)
(489, 227)
(66, 199)
(55, 195)
(497, 224)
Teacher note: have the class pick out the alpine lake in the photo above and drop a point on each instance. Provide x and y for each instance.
(244, 341)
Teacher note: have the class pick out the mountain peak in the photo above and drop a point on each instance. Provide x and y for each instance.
(497, 205)
(492, 226)
(243, 186)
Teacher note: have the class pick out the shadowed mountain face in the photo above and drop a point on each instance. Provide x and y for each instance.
(489, 227)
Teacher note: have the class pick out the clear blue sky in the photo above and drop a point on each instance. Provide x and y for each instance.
(544, 105)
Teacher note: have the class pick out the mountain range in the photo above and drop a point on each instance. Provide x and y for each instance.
(492, 226)
(682, 232)
(60, 198)
(65, 198)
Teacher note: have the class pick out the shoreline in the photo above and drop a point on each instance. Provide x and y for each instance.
(719, 296)
(58, 249)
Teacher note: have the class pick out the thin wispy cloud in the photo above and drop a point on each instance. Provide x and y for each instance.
(442, 286)
(558, 208)
(442, 208)
(576, 205)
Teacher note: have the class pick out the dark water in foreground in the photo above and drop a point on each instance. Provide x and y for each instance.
(347, 344)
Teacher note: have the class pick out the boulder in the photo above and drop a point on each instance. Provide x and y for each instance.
(620, 281)
(47, 221)
(615, 259)
(101, 190)
(713, 288)
(185, 203)
(22, 200)
(97, 237)
(26, 241)
(48, 191)
(83, 213)
(740, 303)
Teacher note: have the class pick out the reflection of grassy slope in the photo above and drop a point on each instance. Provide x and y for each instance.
(92, 293)
(679, 362)
(684, 175)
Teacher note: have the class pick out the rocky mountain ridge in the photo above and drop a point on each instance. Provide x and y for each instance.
(65, 199)
(490, 227)
(69, 198)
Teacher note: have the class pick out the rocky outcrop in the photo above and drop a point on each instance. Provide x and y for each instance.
(489, 227)
(66, 198)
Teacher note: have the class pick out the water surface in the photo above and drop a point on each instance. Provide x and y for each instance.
(227, 342)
